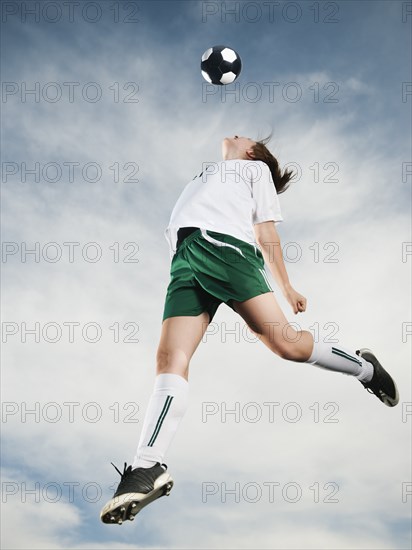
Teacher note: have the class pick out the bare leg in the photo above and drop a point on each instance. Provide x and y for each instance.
(265, 318)
(179, 340)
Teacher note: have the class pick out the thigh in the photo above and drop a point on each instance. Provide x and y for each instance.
(262, 312)
(179, 339)
(265, 318)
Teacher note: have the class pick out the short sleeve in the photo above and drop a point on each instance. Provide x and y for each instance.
(267, 206)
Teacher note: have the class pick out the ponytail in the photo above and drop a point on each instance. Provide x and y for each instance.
(261, 152)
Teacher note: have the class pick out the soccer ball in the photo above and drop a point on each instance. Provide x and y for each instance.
(220, 65)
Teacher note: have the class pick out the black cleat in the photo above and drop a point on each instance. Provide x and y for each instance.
(136, 489)
(382, 384)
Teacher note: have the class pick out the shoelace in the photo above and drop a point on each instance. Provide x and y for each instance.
(126, 467)
(120, 473)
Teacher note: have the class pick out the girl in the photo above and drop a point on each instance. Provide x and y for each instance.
(212, 234)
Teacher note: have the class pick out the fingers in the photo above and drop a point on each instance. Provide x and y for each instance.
(301, 306)
(298, 304)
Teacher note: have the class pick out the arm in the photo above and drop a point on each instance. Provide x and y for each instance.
(269, 241)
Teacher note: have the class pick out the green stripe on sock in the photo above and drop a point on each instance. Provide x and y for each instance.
(160, 420)
(341, 353)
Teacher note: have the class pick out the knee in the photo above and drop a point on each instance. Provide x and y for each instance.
(291, 348)
(173, 361)
(162, 360)
(285, 351)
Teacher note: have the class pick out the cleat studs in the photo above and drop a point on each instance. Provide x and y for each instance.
(120, 522)
(112, 518)
(131, 517)
(134, 505)
(122, 509)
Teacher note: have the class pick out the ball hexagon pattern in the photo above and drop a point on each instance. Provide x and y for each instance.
(220, 65)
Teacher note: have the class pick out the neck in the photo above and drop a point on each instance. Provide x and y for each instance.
(233, 156)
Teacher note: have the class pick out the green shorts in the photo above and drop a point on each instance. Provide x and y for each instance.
(210, 268)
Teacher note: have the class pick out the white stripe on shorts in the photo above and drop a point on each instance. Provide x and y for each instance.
(219, 243)
(263, 272)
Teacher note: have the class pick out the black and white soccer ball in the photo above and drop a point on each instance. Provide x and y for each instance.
(220, 65)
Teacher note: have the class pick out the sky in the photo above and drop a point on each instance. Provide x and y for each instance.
(105, 119)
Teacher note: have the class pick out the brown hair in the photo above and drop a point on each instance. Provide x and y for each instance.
(261, 152)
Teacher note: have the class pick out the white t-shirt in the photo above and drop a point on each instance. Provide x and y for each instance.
(227, 197)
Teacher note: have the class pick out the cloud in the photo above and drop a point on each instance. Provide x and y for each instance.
(101, 388)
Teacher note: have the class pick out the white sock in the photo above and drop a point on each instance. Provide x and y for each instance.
(340, 359)
(166, 408)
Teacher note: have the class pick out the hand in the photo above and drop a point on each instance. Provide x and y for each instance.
(296, 300)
